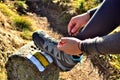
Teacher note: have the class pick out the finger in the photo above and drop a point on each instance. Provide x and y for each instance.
(70, 26)
(75, 29)
(80, 28)
(60, 46)
(75, 33)
(61, 42)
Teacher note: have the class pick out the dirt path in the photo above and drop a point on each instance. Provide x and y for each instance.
(10, 40)
(87, 70)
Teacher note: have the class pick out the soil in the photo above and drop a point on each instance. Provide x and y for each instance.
(93, 68)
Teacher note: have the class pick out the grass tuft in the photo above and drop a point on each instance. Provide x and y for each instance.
(22, 23)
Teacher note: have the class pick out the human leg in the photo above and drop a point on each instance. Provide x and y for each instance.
(104, 20)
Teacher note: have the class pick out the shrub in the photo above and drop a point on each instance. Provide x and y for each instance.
(20, 6)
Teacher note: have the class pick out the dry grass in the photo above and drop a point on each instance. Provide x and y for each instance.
(11, 40)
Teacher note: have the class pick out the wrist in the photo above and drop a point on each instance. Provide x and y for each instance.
(79, 46)
(87, 16)
(91, 11)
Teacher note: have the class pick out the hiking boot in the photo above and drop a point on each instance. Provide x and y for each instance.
(49, 45)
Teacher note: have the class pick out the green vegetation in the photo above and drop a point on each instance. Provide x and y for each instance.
(74, 7)
(79, 7)
(19, 22)
(20, 6)
(17, 17)
(7, 11)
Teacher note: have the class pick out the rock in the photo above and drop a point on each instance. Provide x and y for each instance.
(20, 68)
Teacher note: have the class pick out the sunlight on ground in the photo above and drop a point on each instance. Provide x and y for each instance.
(3, 75)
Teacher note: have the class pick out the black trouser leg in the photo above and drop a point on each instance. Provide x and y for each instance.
(104, 20)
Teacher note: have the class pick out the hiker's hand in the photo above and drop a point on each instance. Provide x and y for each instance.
(77, 22)
(70, 45)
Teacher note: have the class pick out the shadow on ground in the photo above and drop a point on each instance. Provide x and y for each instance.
(18, 68)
